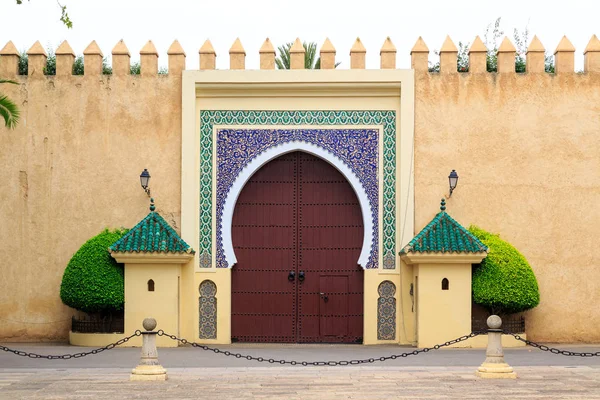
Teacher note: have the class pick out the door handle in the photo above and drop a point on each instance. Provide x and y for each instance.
(291, 276)
(324, 297)
(301, 276)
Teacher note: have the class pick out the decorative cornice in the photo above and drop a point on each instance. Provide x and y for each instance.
(152, 258)
(443, 258)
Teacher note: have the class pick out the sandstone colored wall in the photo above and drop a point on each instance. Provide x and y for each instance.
(71, 169)
(527, 150)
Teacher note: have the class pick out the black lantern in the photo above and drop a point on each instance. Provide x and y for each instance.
(145, 180)
(452, 180)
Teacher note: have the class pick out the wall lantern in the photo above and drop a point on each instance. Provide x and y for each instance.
(452, 180)
(145, 180)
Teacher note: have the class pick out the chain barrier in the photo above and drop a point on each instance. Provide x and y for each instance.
(75, 355)
(553, 350)
(319, 363)
(292, 362)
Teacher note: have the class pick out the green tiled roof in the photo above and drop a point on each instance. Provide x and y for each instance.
(152, 234)
(444, 235)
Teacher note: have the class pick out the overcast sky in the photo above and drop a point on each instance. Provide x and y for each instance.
(221, 21)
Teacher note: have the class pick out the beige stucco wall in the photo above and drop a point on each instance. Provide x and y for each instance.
(71, 169)
(526, 148)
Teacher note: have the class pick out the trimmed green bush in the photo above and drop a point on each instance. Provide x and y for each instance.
(93, 281)
(503, 283)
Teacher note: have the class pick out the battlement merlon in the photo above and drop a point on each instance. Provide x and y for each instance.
(121, 58)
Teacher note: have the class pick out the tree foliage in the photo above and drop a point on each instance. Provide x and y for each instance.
(492, 38)
(64, 16)
(93, 282)
(504, 282)
(8, 109)
(50, 68)
(311, 60)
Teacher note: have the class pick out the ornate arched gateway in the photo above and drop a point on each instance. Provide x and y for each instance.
(354, 128)
(297, 234)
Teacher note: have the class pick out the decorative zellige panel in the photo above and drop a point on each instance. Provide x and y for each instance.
(208, 310)
(387, 119)
(356, 148)
(386, 311)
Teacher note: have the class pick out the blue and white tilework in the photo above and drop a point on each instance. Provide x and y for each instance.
(209, 119)
(357, 148)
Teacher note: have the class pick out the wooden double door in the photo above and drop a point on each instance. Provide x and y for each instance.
(297, 234)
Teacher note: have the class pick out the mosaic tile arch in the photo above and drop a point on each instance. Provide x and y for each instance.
(386, 311)
(261, 119)
(352, 151)
(207, 308)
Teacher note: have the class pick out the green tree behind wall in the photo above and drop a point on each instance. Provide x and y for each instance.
(64, 16)
(8, 109)
(311, 60)
(492, 38)
(50, 68)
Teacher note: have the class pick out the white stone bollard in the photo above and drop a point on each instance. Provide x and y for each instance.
(494, 365)
(149, 369)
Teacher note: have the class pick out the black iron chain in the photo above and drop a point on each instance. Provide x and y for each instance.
(319, 363)
(70, 356)
(552, 349)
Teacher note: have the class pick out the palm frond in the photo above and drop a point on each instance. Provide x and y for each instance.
(8, 81)
(9, 111)
(318, 64)
(283, 60)
(310, 55)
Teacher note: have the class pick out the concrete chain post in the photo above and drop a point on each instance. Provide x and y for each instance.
(149, 369)
(494, 365)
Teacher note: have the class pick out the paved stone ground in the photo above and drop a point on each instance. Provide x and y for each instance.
(302, 383)
(198, 374)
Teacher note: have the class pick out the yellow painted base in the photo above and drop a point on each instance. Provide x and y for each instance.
(495, 371)
(148, 373)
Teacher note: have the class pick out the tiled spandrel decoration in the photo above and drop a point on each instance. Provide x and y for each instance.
(386, 118)
(356, 148)
(208, 310)
(386, 311)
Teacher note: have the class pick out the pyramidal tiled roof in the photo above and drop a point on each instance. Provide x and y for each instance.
(444, 235)
(151, 235)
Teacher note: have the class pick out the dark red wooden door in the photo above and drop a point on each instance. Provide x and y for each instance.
(297, 233)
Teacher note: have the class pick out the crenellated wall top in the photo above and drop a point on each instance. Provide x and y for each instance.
(420, 61)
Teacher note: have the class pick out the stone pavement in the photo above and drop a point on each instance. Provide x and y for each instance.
(302, 383)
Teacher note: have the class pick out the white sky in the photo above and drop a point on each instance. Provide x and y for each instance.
(192, 22)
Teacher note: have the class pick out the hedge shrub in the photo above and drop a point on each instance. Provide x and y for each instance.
(93, 281)
(504, 282)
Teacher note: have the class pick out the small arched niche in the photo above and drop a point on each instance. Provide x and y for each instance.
(151, 285)
(208, 310)
(445, 284)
